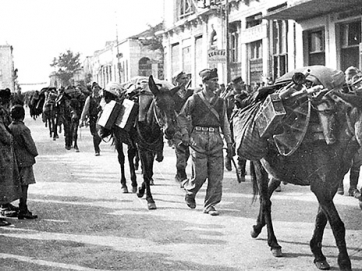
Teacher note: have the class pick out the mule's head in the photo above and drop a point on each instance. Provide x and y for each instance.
(164, 107)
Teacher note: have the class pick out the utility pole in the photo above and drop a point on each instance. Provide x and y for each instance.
(118, 64)
(227, 50)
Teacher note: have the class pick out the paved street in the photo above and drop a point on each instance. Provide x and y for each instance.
(85, 223)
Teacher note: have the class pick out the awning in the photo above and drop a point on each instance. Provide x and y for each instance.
(299, 10)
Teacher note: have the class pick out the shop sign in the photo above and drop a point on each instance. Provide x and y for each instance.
(216, 56)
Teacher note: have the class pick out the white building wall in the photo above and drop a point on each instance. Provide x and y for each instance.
(6, 67)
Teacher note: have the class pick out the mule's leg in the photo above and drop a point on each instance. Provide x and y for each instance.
(55, 130)
(316, 241)
(260, 222)
(75, 125)
(132, 151)
(121, 160)
(264, 217)
(325, 199)
(50, 126)
(147, 158)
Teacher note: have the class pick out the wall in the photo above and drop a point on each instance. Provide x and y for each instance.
(6, 67)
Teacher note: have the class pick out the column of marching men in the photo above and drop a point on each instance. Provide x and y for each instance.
(204, 132)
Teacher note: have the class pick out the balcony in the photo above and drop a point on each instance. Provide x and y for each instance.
(299, 10)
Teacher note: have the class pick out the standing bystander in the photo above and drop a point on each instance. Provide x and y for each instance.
(25, 152)
(10, 188)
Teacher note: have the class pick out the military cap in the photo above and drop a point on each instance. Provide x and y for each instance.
(207, 74)
(5, 93)
(178, 75)
(352, 71)
(114, 88)
(237, 79)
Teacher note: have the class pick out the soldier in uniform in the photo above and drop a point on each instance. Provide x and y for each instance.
(182, 151)
(351, 75)
(91, 109)
(235, 100)
(207, 113)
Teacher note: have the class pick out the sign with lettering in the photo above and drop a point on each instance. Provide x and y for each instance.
(216, 56)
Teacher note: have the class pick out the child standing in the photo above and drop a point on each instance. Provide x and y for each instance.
(25, 152)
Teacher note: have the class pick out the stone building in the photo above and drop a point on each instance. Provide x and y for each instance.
(123, 60)
(260, 38)
(8, 75)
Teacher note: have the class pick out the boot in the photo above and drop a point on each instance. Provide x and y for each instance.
(227, 163)
(25, 213)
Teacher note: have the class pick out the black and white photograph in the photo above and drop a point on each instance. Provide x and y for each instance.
(180, 135)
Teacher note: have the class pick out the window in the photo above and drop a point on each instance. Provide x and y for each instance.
(186, 56)
(234, 38)
(316, 42)
(175, 58)
(256, 50)
(256, 61)
(350, 38)
(279, 48)
(254, 20)
(144, 67)
(351, 34)
(316, 47)
(186, 8)
(198, 57)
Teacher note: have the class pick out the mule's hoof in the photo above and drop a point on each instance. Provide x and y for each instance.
(152, 206)
(277, 252)
(323, 265)
(54, 139)
(134, 189)
(124, 189)
(254, 234)
(140, 193)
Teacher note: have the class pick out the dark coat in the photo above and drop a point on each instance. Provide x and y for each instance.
(10, 188)
(25, 149)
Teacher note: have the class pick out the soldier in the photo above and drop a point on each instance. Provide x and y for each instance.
(351, 75)
(207, 113)
(91, 110)
(182, 151)
(235, 100)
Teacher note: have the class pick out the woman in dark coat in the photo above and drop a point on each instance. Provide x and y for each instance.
(10, 188)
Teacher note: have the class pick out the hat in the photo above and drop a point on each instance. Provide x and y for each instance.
(114, 88)
(237, 80)
(207, 74)
(5, 93)
(178, 75)
(352, 71)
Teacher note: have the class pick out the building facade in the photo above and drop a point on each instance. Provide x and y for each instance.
(121, 61)
(8, 76)
(261, 38)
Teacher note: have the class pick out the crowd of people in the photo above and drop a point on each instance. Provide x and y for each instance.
(204, 132)
(18, 152)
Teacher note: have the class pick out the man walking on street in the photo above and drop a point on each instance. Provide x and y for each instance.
(207, 113)
(235, 100)
(91, 109)
(181, 94)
